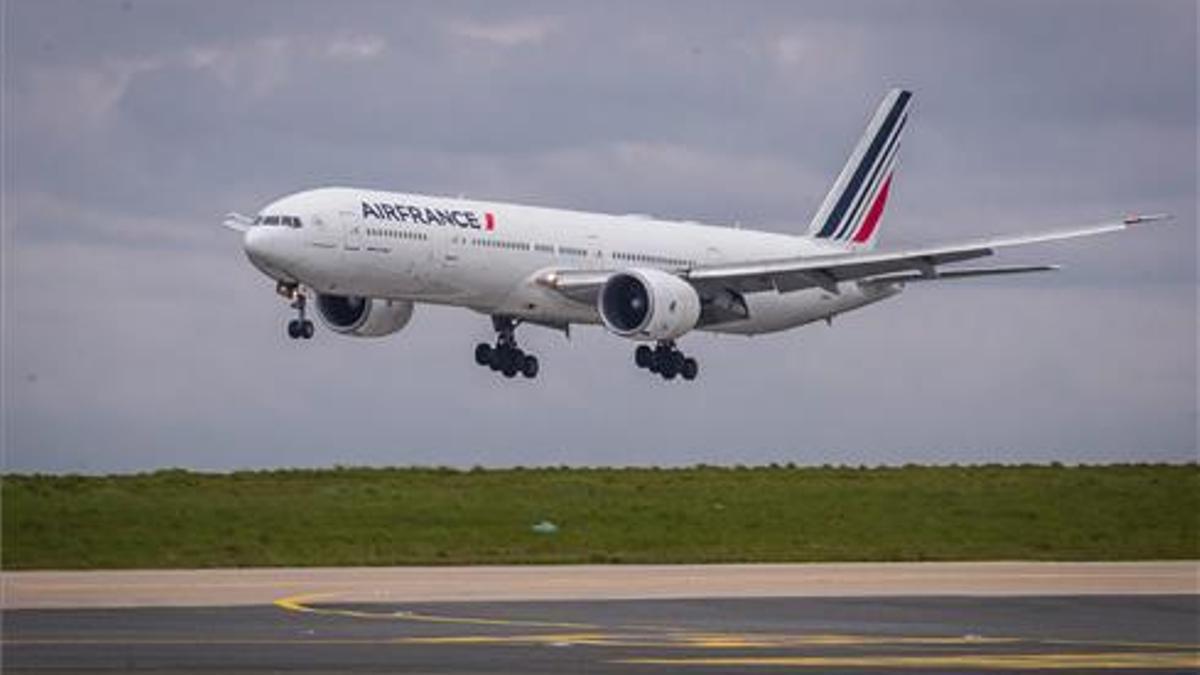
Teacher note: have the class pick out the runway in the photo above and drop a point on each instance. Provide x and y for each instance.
(1027, 617)
(1089, 633)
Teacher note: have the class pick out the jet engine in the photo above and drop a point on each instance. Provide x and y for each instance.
(648, 304)
(363, 317)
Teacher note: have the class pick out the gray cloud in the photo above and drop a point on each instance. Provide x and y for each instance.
(136, 335)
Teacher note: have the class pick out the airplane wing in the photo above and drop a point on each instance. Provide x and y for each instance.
(903, 265)
(827, 271)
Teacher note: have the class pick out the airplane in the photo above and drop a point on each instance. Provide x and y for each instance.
(368, 257)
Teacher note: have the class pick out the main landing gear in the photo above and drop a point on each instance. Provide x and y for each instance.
(299, 328)
(506, 357)
(666, 360)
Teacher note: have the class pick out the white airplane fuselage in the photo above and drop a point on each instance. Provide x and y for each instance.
(488, 256)
(369, 257)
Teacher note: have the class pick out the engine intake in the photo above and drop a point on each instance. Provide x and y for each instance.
(648, 304)
(363, 317)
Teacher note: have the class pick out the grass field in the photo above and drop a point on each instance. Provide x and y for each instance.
(701, 514)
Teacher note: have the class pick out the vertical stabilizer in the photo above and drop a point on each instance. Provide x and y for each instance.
(851, 211)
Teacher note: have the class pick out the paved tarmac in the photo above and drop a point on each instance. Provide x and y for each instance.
(918, 617)
(1136, 633)
(230, 587)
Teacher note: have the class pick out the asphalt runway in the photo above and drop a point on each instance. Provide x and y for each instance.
(1082, 633)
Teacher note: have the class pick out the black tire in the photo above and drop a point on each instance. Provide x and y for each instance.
(307, 329)
(643, 356)
(677, 359)
(690, 369)
(293, 329)
(483, 354)
(510, 359)
(496, 359)
(529, 366)
(510, 370)
(668, 367)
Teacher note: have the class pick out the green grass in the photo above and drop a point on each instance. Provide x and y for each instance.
(701, 514)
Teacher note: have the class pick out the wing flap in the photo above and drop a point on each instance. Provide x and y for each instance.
(962, 273)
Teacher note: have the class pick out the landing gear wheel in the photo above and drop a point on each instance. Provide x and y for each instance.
(505, 356)
(668, 369)
(676, 359)
(529, 366)
(510, 368)
(483, 354)
(300, 327)
(665, 360)
(690, 369)
(643, 356)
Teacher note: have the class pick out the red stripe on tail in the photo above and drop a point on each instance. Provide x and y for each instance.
(868, 228)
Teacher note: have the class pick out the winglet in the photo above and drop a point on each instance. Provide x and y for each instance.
(237, 222)
(1138, 219)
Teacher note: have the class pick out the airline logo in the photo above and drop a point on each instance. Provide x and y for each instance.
(425, 215)
(862, 190)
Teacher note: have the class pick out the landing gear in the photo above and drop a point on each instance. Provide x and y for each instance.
(299, 328)
(506, 357)
(666, 360)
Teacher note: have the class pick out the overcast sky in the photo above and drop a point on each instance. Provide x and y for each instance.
(136, 335)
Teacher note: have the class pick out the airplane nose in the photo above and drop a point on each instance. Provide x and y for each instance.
(255, 243)
(262, 248)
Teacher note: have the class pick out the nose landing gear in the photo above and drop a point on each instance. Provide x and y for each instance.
(300, 328)
(506, 357)
(666, 360)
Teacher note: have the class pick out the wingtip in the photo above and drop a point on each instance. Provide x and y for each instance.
(236, 222)
(1139, 219)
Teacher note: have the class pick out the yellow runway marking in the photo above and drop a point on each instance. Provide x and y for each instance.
(299, 603)
(1144, 661)
(1138, 655)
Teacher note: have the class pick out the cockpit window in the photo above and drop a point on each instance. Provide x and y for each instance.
(286, 221)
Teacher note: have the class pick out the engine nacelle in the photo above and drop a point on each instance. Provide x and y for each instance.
(648, 304)
(363, 317)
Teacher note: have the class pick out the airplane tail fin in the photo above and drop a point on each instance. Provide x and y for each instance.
(851, 211)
